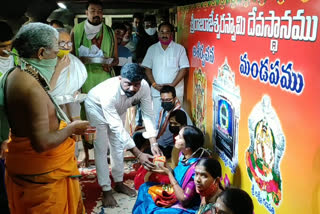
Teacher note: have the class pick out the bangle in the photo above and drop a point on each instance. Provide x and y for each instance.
(153, 84)
(139, 155)
(154, 144)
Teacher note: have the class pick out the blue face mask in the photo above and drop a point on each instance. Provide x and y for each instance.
(46, 67)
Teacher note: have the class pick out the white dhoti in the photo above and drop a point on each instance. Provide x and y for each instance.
(66, 92)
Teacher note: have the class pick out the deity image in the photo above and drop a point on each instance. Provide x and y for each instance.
(263, 157)
(264, 147)
(199, 99)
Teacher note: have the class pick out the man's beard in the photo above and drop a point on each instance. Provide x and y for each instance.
(95, 21)
(128, 93)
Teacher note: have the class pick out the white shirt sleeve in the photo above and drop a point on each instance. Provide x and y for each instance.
(147, 113)
(115, 124)
(148, 59)
(183, 61)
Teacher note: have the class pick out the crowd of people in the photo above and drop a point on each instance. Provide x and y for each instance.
(55, 85)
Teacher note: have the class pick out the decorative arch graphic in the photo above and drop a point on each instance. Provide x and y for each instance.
(226, 111)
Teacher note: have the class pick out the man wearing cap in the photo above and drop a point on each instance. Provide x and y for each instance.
(106, 107)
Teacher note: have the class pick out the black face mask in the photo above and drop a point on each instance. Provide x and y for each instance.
(174, 129)
(167, 106)
(129, 93)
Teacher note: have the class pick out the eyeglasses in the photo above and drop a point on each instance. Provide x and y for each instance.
(63, 43)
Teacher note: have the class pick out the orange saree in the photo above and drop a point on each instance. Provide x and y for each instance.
(42, 182)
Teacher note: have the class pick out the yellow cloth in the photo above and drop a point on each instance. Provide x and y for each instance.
(42, 182)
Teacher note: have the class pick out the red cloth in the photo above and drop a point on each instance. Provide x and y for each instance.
(154, 177)
(161, 197)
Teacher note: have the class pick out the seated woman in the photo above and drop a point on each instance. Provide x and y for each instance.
(234, 201)
(180, 195)
(177, 120)
(207, 181)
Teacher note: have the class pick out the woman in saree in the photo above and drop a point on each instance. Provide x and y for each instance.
(180, 195)
(177, 120)
(207, 181)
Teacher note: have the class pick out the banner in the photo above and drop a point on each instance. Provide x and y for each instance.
(255, 93)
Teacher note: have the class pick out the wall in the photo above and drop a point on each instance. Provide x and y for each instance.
(255, 93)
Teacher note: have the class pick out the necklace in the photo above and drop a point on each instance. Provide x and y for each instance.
(28, 68)
(203, 150)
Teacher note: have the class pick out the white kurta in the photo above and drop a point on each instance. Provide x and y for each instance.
(165, 65)
(106, 107)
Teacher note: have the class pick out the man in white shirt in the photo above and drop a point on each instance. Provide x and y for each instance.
(166, 63)
(106, 107)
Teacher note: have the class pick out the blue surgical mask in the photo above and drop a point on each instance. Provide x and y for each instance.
(151, 31)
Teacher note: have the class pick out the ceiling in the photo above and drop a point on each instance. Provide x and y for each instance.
(16, 12)
(79, 5)
(16, 8)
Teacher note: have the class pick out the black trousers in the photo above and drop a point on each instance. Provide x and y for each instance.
(141, 142)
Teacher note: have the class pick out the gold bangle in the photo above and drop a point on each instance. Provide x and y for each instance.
(153, 84)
